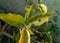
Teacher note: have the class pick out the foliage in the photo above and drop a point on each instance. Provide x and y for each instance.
(28, 20)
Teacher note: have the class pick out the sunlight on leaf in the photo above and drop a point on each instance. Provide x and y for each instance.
(12, 19)
(43, 20)
(25, 36)
(35, 17)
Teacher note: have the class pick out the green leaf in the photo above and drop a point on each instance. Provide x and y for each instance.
(42, 41)
(35, 17)
(13, 19)
(50, 37)
(47, 27)
(43, 18)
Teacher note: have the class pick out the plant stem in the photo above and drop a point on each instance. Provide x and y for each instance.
(50, 37)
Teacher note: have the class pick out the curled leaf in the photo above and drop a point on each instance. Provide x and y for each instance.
(29, 11)
(25, 36)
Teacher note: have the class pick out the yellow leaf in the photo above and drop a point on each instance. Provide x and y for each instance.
(43, 8)
(25, 36)
(29, 11)
(12, 19)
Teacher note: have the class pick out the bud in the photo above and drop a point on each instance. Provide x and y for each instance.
(43, 8)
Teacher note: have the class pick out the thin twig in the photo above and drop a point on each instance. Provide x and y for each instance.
(6, 34)
(4, 26)
(36, 31)
(2, 30)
